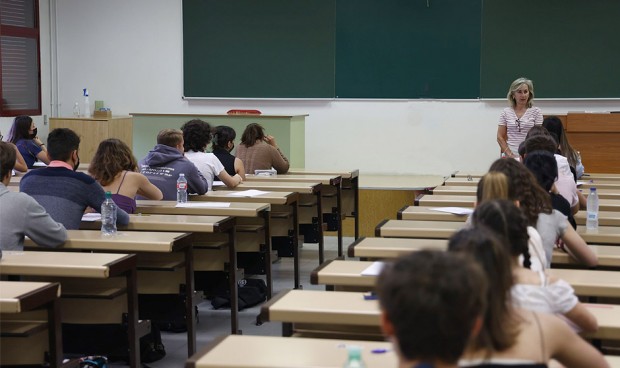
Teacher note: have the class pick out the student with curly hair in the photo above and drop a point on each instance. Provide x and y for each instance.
(116, 169)
(196, 137)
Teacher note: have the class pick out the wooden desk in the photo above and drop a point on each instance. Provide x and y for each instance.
(331, 186)
(387, 248)
(597, 137)
(337, 273)
(282, 352)
(350, 191)
(586, 183)
(83, 266)
(17, 297)
(139, 242)
(349, 313)
(464, 190)
(282, 204)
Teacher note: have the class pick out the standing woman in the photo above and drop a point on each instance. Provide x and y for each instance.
(116, 169)
(515, 121)
(223, 144)
(23, 134)
(260, 152)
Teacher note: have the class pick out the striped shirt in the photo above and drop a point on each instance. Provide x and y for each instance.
(517, 128)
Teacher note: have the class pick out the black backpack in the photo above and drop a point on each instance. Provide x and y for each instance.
(251, 292)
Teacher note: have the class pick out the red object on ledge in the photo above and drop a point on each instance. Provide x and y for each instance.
(243, 112)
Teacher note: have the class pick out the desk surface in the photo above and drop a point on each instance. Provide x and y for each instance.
(419, 229)
(240, 209)
(323, 179)
(281, 186)
(179, 223)
(587, 183)
(124, 241)
(345, 174)
(400, 182)
(283, 198)
(65, 264)
(464, 190)
(276, 352)
(20, 296)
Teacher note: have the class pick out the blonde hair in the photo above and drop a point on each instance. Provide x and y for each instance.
(515, 86)
(493, 185)
(170, 137)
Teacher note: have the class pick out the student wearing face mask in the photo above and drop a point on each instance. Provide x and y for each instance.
(23, 134)
(60, 189)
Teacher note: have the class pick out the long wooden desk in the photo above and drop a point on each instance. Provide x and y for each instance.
(282, 352)
(140, 243)
(350, 313)
(386, 248)
(463, 190)
(282, 204)
(331, 186)
(20, 296)
(586, 176)
(583, 183)
(337, 273)
(350, 191)
(74, 265)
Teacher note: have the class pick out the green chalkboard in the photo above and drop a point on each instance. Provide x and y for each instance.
(408, 48)
(259, 48)
(569, 48)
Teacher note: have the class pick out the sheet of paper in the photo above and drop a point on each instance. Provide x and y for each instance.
(454, 210)
(91, 217)
(374, 269)
(218, 183)
(200, 204)
(581, 182)
(247, 193)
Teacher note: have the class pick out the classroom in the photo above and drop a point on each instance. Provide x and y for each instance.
(130, 54)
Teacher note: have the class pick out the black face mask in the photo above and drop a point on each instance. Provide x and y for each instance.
(33, 134)
(77, 164)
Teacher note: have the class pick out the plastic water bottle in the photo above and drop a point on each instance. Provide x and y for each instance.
(181, 189)
(76, 110)
(86, 103)
(355, 357)
(592, 216)
(108, 216)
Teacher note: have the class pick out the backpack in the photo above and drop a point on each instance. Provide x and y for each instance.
(251, 292)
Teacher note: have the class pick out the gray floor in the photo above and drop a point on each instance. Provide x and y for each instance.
(215, 323)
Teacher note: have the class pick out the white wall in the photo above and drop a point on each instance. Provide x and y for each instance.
(129, 54)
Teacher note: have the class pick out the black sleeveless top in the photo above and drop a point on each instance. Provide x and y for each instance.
(226, 159)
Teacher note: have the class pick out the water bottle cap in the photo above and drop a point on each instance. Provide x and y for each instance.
(354, 351)
(592, 189)
(108, 195)
(85, 92)
(181, 174)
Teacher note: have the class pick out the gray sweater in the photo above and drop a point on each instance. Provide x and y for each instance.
(21, 215)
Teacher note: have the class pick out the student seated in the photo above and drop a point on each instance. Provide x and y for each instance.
(553, 124)
(62, 191)
(115, 168)
(511, 336)
(533, 290)
(260, 152)
(21, 215)
(20, 164)
(163, 164)
(223, 144)
(196, 137)
(23, 134)
(431, 303)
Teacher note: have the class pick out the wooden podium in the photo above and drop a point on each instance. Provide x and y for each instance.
(93, 130)
(597, 137)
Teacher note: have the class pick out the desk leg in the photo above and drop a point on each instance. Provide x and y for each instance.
(297, 284)
(319, 207)
(189, 300)
(54, 333)
(232, 276)
(132, 318)
(268, 260)
(356, 205)
(339, 214)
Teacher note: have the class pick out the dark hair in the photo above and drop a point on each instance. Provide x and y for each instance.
(508, 223)
(554, 125)
(169, 137)
(532, 197)
(252, 133)
(61, 142)
(7, 158)
(196, 135)
(432, 299)
(20, 128)
(499, 329)
(223, 135)
(543, 166)
(112, 157)
(537, 130)
(540, 143)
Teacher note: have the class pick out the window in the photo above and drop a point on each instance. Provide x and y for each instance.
(20, 76)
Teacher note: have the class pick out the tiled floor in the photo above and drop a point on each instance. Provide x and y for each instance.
(214, 323)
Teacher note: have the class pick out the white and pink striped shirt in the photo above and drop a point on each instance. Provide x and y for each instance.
(517, 128)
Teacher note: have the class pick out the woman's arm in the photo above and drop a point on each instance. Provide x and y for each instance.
(20, 163)
(577, 247)
(239, 168)
(502, 140)
(230, 181)
(147, 189)
(582, 317)
(41, 156)
(567, 347)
